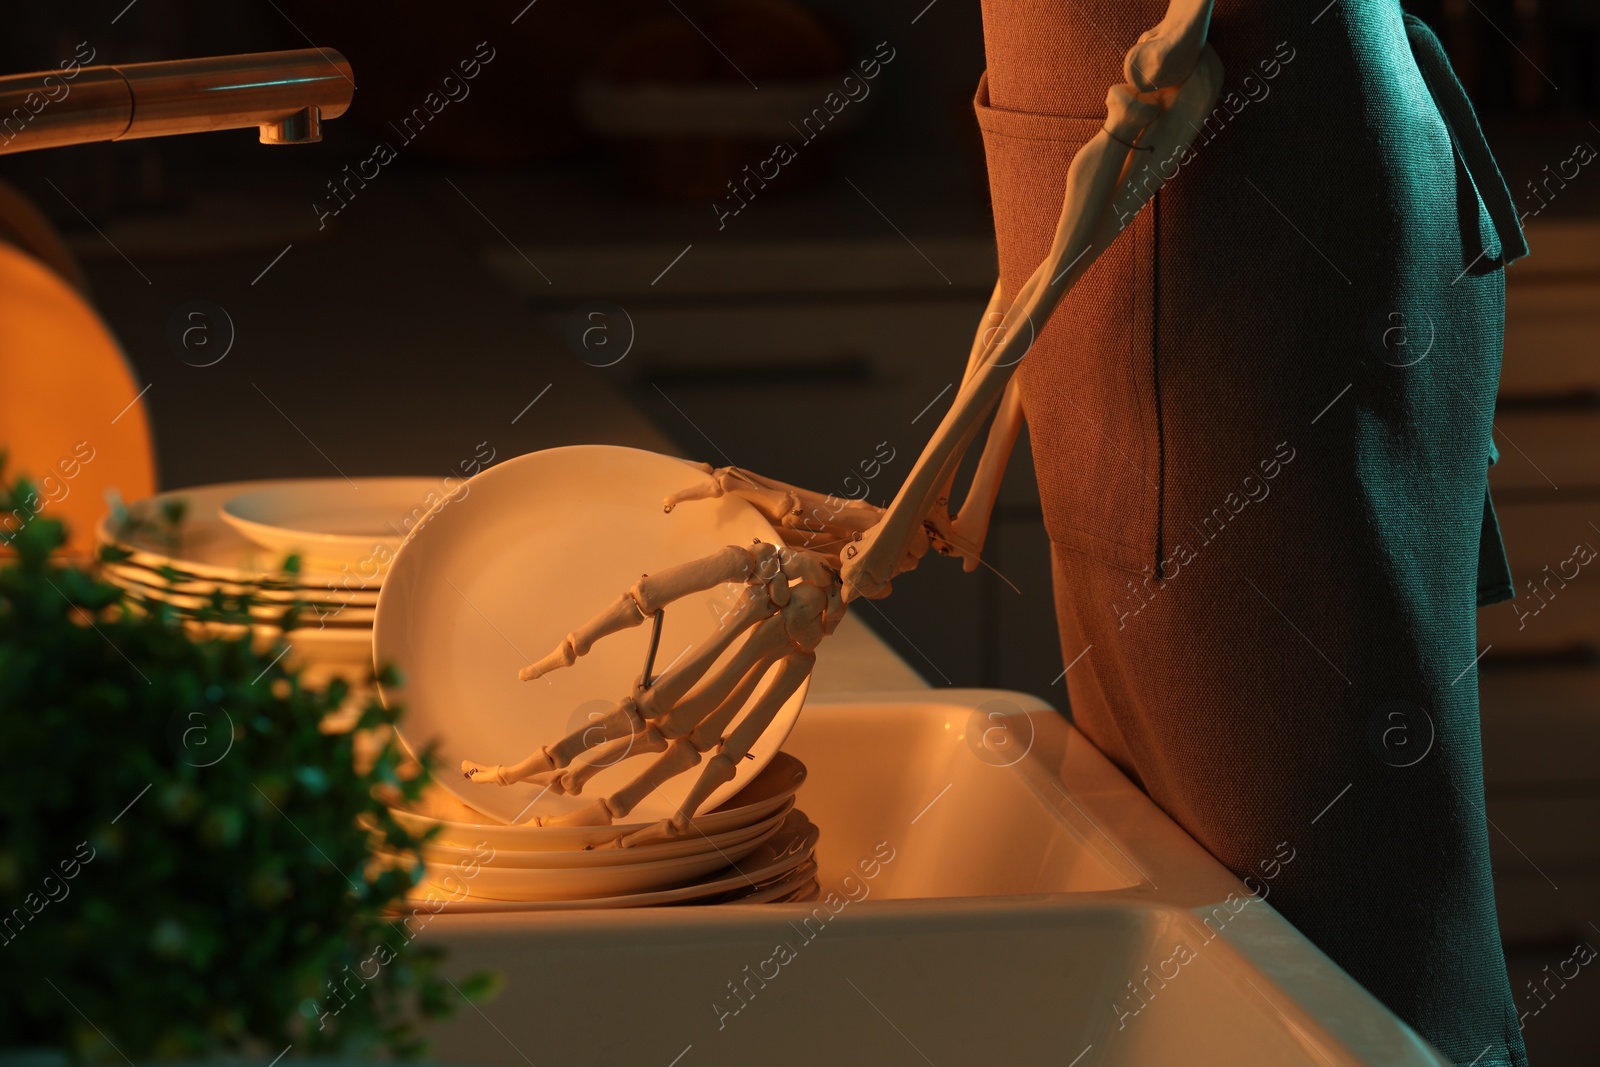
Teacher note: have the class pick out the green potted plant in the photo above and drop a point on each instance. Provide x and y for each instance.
(185, 864)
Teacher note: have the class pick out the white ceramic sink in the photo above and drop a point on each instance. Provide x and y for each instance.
(1012, 903)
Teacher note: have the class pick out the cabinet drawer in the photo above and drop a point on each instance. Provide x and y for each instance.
(1557, 605)
(1554, 832)
(1541, 727)
(1553, 312)
(1533, 912)
(1547, 447)
(1563, 620)
(1550, 332)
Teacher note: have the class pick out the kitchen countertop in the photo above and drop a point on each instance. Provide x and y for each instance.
(856, 659)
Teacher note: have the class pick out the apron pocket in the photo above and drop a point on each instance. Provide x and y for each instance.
(1090, 381)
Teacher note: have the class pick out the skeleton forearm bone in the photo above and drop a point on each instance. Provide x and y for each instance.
(970, 526)
(993, 316)
(1164, 55)
(938, 525)
(1087, 227)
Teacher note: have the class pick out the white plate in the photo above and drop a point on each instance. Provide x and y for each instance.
(766, 793)
(801, 889)
(212, 549)
(789, 848)
(497, 880)
(346, 653)
(333, 521)
(492, 582)
(609, 856)
(787, 886)
(326, 654)
(311, 615)
(355, 596)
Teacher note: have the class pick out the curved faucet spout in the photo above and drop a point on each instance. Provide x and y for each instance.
(286, 94)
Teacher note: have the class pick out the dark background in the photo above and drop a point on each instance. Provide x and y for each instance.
(826, 318)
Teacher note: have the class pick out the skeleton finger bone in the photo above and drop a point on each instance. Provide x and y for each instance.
(652, 591)
(623, 718)
(721, 767)
(725, 693)
(571, 780)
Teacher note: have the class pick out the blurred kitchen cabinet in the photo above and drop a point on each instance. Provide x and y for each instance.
(1540, 675)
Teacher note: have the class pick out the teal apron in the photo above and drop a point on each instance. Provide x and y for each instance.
(1270, 527)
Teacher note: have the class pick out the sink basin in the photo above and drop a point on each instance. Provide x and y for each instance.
(1001, 894)
(964, 817)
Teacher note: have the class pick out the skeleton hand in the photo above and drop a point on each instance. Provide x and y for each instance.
(791, 601)
(796, 593)
(807, 521)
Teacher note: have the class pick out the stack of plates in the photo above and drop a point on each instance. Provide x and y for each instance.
(544, 541)
(757, 847)
(235, 537)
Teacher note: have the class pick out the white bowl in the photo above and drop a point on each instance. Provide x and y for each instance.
(212, 550)
(330, 520)
(487, 584)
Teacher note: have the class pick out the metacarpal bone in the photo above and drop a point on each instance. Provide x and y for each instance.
(708, 733)
(769, 640)
(670, 688)
(650, 592)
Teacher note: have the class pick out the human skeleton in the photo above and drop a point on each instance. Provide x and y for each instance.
(796, 594)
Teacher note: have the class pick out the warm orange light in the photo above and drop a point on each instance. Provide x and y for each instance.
(70, 414)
